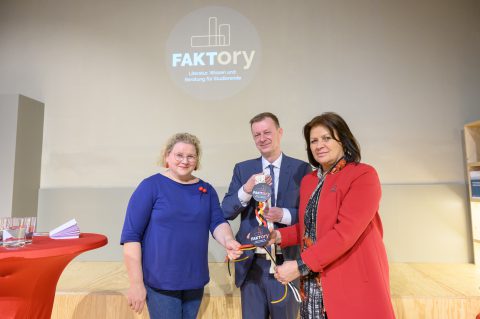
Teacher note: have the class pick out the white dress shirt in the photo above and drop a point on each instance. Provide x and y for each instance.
(245, 198)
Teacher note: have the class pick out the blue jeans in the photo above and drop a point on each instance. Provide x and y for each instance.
(173, 304)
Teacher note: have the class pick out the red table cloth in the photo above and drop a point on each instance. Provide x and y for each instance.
(29, 275)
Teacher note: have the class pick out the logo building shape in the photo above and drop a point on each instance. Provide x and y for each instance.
(213, 53)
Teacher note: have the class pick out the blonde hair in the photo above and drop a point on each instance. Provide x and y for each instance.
(180, 138)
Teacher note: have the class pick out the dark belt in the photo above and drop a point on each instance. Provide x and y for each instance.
(264, 256)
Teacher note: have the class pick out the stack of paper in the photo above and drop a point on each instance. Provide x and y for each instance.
(66, 231)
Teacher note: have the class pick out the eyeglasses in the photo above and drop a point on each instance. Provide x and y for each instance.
(180, 157)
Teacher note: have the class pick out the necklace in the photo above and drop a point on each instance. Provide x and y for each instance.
(335, 168)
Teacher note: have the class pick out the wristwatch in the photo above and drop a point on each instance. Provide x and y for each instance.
(302, 267)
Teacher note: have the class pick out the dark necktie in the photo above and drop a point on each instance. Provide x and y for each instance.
(272, 174)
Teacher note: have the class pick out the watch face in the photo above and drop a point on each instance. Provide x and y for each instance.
(259, 236)
(261, 192)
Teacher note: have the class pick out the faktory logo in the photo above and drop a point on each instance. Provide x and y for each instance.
(218, 36)
(259, 236)
(213, 53)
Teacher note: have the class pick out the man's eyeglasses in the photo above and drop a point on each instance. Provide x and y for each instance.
(180, 157)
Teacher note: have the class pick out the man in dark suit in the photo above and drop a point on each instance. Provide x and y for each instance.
(254, 275)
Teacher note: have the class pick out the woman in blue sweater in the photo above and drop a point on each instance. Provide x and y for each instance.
(166, 231)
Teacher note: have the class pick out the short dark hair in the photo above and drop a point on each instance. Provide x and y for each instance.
(264, 115)
(338, 128)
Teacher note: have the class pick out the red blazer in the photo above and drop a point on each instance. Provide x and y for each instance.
(349, 251)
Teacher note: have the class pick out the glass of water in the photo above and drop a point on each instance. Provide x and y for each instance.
(14, 233)
(30, 227)
(4, 223)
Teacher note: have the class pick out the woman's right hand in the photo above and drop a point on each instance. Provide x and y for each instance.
(136, 297)
(233, 249)
(274, 238)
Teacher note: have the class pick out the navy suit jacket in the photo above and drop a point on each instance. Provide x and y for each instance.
(291, 173)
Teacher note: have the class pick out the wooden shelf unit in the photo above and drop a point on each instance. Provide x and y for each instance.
(472, 158)
(473, 165)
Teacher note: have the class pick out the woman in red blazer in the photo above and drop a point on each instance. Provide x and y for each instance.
(343, 267)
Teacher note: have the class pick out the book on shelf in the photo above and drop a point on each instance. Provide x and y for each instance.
(475, 184)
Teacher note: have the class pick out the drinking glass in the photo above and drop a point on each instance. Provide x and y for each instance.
(30, 227)
(14, 233)
(4, 222)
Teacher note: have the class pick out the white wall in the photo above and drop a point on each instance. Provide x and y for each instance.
(21, 131)
(405, 75)
(8, 134)
(422, 223)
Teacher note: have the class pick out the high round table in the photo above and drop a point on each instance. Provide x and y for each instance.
(29, 275)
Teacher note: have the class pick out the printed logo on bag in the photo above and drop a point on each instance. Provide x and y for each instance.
(259, 236)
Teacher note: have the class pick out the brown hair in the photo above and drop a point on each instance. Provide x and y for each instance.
(264, 115)
(181, 138)
(338, 128)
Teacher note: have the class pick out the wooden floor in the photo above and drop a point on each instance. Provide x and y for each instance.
(423, 291)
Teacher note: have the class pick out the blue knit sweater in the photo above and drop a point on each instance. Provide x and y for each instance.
(172, 222)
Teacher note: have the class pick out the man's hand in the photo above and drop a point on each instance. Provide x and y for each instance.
(248, 186)
(274, 214)
(275, 238)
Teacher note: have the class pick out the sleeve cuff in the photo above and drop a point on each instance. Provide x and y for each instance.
(309, 258)
(244, 197)
(287, 217)
(302, 267)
